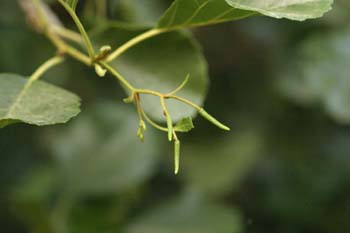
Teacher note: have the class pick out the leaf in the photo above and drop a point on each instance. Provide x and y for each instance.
(72, 3)
(160, 64)
(192, 13)
(184, 125)
(140, 12)
(291, 9)
(38, 103)
(188, 214)
(320, 74)
(100, 154)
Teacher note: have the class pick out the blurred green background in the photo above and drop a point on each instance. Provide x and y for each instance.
(284, 89)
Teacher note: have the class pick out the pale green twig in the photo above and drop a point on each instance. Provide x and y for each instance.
(131, 43)
(179, 88)
(168, 119)
(45, 67)
(81, 29)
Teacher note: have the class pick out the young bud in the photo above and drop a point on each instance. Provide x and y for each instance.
(210, 118)
(101, 72)
(177, 156)
(129, 99)
(170, 127)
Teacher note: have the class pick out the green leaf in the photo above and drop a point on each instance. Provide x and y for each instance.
(291, 9)
(192, 13)
(188, 214)
(160, 64)
(320, 74)
(38, 103)
(184, 125)
(100, 154)
(72, 3)
(140, 12)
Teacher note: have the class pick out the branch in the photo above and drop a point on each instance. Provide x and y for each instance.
(131, 43)
(45, 67)
(81, 29)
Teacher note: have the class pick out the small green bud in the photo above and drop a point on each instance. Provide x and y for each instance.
(177, 156)
(101, 72)
(140, 134)
(129, 100)
(143, 125)
(210, 118)
(170, 127)
(105, 49)
(142, 128)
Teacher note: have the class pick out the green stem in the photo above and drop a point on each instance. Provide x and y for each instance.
(77, 55)
(184, 101)
(68, 34)
(138, 105)
(117, 75)
(154, 124)
(45, 67)
(131, 43)
(168, 119)
(149, 92)
(65, 48)
(201, 111)
(41, 14)
(81, 29)
(179, 88)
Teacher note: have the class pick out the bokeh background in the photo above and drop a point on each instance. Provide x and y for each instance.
(282, 86)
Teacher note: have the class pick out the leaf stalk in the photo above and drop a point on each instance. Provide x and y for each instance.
(45, 67)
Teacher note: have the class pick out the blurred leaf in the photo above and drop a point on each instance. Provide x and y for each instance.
(188, 214)
(37, 186)
(217, 167)
(21, 101)
(320, 74)
(100, 153)
(160, 64)
(140, 12)
(31, 199)
(101, 215)
(291, 9)
(339, 16)
(191, 13)
(185, 125)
